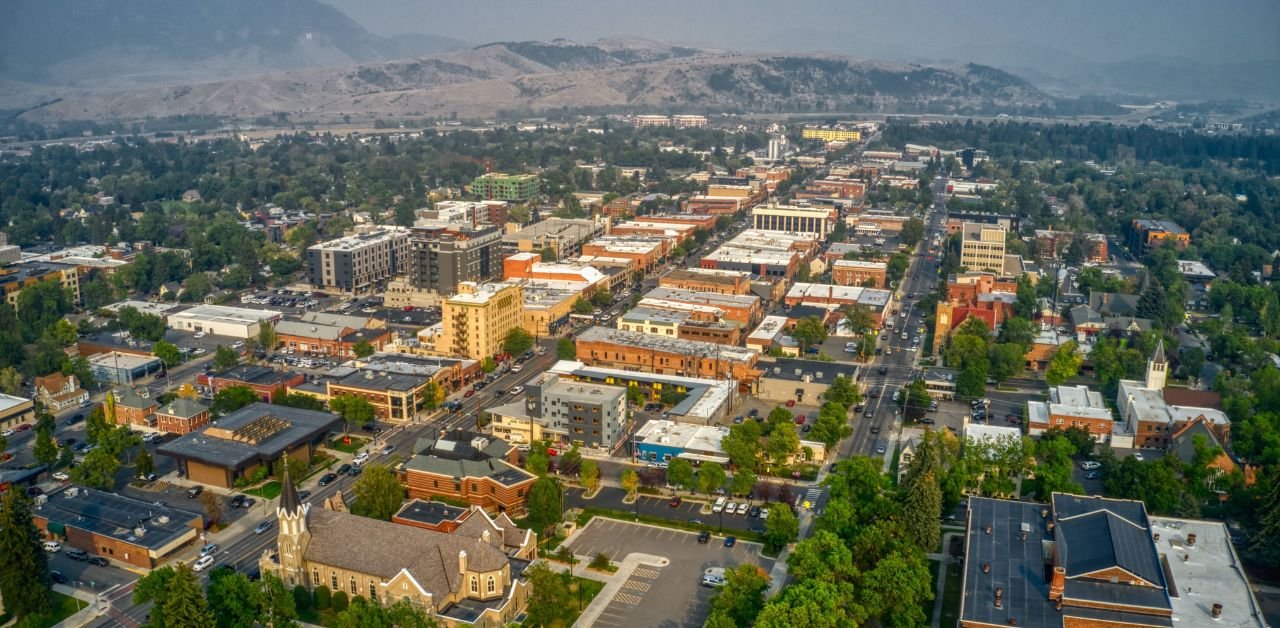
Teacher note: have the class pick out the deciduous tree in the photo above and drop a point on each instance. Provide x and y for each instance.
(378, 493)
(711, 476)
(680, 473)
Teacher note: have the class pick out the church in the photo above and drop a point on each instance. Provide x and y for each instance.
(471, 576)
(1153, 415)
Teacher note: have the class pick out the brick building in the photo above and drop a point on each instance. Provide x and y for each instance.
(707, 280)
(1071, 406)
(116, 527)
(181, 416)
(469, 467)
(122, 406)
(858, 273)
(602, 346)
(263, 380)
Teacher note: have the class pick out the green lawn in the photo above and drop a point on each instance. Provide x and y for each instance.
(64, 606)
(270, 490)
(587, 590)
(624, 515)
(348, 448)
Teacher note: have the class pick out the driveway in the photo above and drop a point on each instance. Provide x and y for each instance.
(666, 596)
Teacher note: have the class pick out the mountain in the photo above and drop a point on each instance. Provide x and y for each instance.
(109, 43)
(539, 76)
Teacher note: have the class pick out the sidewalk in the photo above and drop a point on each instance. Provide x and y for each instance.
(91, 610)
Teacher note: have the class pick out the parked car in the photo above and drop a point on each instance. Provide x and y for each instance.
(1092, 475)
(675, 502)
(61, 476)
(360, 458)
(304, 493)
(1089, 465)
(327, 478)
(344, 469)
(704, 537)
(53, 547)
(354, 471)
(58, 577)
(194, 492)
(78, 554)
(237, 501)
(730, 541)
(98, 561)
(208, 549)
(754, 512)
(388, 449)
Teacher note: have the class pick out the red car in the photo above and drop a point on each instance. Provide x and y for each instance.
(674, 503)
(408, 308)
(468, 393)
(22, 428)
(799, 419)
(791, 403)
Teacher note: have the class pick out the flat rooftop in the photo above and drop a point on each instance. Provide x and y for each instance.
(257, 431)
(704, 438)
(769, 328)
(117, 359)
(871, 297)
(703, 298)
(581, 391)
(1211, 574)
(430, 512)
(8, 402)
(743, 255)
(224, 314)
(144, 307)
(370, 379)
(361, 240)
(145, 524)
(859, 264)
(706, 396)
(665, 344)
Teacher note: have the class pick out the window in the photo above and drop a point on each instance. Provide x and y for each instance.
(475, 584)
(492, 586)
(373, 591)
(333, 580)
(315, 577)
(353, 586)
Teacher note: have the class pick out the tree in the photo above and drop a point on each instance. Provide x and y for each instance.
(63, 332)
(212, 507)
(225, 357)
(97, 470)
(378, 493)
(711, 476)
(354, 410)
(741, 598)
(168, 353)
(809, 331)
(278, 603)
(154, 587)
(589, 475)
(145, 465)
(365, 614)
(1007, 360)
(1064, 364)
(896, 267)
(549, 597)
(184, 603)
(912, 231)
(340, 601)
(544, 504)
(1018, 331)
(488, 365)
(781, 444)
(233, 599)
(299, 400)
(1265, 544)
(780, 528)
(582, 306)
(915, 400)
(921, 511)
(630, 481)
(742, 444)
(363, 349)
(517, 341)
(24, 567)
(324, 598)
(680, 473)
(96, 425)
(39, 307)
(565, 349)
(11, 381)
(602, 298)
(45, 450)
(843, 392)
(267, 337)
(433, 395)
(233, 398)
(743, 482)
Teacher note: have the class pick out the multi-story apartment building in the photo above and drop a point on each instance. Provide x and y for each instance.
(443, 256)
(688, 120)
(394, 396)
(1052, 244)
(859, 273)
(475, 321)
(1146, 234)
(983, 247)
(358, 263)
(815, 220)
(518, 188)
(13, 279)
(707, 280)
(831, 134)
(579, 413)
(743, 309)
(645, 120)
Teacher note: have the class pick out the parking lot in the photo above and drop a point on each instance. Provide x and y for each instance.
(653, 506)
(661, 596)
(763, 408)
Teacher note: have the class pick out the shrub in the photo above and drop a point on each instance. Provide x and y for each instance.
(339, 603)
(323, 600)
(301, 598)
(600, 561)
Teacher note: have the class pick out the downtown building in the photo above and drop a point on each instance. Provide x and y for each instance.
(359, 263)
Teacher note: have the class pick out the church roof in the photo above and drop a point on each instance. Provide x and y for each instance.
(1159, 355)
(289, 501)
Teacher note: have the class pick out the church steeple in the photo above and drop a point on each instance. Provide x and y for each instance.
(293, 536)
(1157, 368)
(289, 502)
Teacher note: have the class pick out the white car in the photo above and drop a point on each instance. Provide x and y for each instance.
(204, 563)
(52, 547)
(743, 508)
(200, 334)
(730, 508)
(1089, 465)
(199, 351)
(517, 390)
(61, 476)
(237, 344)
(7, 433)
(764, 513)
(517, 368)
(360, 458)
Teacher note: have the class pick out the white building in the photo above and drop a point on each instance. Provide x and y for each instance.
(235, 322)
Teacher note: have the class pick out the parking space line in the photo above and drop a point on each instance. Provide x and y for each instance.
(636, 585)
(645, 573)
(627, 598)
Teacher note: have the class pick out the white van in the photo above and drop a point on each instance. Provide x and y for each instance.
(52, 546)
(719, 505)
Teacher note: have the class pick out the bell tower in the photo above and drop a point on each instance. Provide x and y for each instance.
(1157, 369)
(294, 535)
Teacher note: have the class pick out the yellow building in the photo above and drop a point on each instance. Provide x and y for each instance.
(831, 135)
(18, 277)
(982, 248)
(547, 307)
(475, 321)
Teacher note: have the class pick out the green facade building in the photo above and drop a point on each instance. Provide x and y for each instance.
(518, 188)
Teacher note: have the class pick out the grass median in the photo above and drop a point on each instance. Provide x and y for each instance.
(622, 515)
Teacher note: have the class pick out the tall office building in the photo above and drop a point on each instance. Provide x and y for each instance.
(518, 188)
(982, 248)
(475, 321)
(443, 256)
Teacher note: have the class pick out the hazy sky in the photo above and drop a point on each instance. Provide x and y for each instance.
(1093, 30)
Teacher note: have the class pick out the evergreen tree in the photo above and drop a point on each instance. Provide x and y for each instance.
(1265, 545)
(24, 567)
(45, 450)
(184, 603)
(921, 511)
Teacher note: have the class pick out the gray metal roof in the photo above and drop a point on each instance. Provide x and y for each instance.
(1016, 566)
(140, 523)
(304, 425)
(1102, 540)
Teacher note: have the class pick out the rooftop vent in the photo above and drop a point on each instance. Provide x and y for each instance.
(1216, 611)
(999, 597)
(1191, 540)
